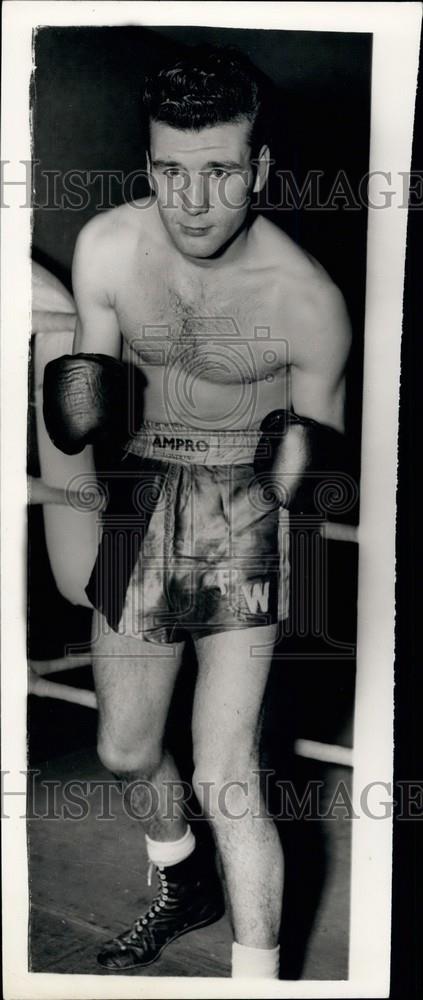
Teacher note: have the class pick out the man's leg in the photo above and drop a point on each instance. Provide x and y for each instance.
(134, 684)
(228, 699)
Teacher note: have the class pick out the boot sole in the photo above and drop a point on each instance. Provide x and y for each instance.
(144, 965)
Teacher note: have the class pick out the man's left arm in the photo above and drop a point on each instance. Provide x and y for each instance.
(305, 437)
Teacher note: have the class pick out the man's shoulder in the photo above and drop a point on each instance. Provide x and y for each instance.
(119, 229)
(292, 261)
(310, 300)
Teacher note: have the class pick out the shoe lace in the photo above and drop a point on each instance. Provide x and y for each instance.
(141, 923)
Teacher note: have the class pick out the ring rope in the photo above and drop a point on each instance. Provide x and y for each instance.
(311, 749)
(40, 492)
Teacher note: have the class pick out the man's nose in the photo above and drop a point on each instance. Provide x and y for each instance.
(195, 197)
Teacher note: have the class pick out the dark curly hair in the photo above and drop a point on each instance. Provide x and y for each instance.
(208, 86)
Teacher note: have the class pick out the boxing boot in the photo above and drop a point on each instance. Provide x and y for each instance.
(187, 899)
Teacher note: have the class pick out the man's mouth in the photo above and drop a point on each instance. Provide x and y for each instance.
(195, 230)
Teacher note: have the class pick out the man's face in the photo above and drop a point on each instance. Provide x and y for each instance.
(203, 181)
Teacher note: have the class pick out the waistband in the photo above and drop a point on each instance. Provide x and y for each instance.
(178, 444)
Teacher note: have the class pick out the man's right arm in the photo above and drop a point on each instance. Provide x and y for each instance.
(97, 328)
(85, 392)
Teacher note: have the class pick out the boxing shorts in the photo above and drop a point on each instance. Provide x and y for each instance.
(191, 544)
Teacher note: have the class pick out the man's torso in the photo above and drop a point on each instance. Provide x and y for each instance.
(215, 344)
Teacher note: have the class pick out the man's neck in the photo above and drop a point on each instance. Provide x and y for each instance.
(233, 252)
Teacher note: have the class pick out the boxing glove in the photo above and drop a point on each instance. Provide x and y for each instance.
(321, 453)
(85, 398)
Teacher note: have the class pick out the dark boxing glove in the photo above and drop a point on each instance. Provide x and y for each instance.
(84, 398)
(322, 445)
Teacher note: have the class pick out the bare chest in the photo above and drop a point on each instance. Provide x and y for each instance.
(224, 333)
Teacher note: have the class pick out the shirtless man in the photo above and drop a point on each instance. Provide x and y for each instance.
(229, 321)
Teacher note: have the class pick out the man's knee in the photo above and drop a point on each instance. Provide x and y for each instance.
(225, 787)
(120, 757)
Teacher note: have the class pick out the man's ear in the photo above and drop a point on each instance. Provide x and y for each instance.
(149, 174)
(263, 166)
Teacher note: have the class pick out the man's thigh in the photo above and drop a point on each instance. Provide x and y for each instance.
(233, 671)
(134, 682)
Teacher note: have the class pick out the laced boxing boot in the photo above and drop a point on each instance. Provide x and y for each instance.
(187, 899)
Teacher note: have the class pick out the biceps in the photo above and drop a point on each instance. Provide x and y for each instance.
(97, 331)
(318, 396)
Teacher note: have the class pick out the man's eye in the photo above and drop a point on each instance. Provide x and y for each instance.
(218, 172)
(173, 172)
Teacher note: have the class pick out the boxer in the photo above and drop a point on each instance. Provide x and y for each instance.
(242, 339)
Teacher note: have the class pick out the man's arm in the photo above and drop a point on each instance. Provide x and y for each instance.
(318, 362)
(97, 327)
(85, 393)
(320, 351)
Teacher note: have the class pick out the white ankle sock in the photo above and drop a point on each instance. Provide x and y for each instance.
(255, 962)
(170, 852)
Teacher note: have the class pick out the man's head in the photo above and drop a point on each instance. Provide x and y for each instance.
(207, 153)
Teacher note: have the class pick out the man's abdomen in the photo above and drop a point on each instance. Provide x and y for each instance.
(181, 396)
